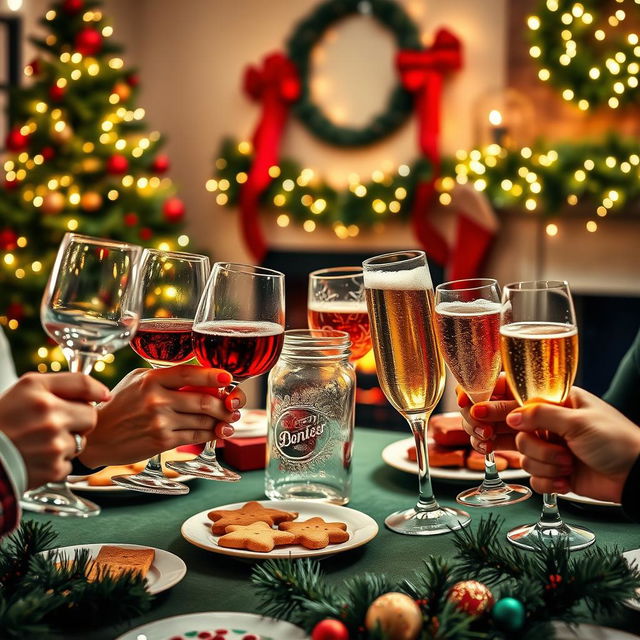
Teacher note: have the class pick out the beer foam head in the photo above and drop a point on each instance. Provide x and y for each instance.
(473, 308)
(418, 279)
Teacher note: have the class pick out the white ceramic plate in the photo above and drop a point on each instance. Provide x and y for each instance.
(252, 424)
(633, 556)
(584, 500)
(395, 455)
(236, 625)
(165, 572)
(360, 526)
(80, 483)
(589, 632)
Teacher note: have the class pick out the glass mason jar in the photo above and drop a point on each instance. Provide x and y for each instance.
(310, 415)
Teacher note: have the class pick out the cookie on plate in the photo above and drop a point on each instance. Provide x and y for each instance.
(315, 533)
(258, 536)
(248, 514)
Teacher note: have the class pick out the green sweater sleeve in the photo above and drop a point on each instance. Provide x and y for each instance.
(624, 391)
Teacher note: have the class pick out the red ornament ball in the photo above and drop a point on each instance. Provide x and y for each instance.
(71, 7)
(173, 210)
(117, 164)
(15, 311)
(56, 93)
(10, 185)
(330, 629)
(145, 233)
(130, 219)
(472, 597)
(88, 41)
(16, 141)
(160, 164)
(8, 240)
(48, 153)
(133, 80)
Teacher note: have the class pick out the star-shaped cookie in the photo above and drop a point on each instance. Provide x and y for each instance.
(315, 533)
(248, 514)
(258, 536)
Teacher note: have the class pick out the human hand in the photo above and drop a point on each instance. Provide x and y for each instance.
(154, 410)
(599, 446)
(41, 412)
(485, 421)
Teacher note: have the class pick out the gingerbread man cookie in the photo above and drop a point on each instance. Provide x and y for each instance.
(315, 533)
(258, 536)
(248, 514)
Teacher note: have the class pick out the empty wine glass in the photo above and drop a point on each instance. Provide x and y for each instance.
(172, 283)
(91, 308)
(238, 327)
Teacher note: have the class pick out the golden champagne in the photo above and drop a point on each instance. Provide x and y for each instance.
(540, 359)
(469, 336)
(409, 364)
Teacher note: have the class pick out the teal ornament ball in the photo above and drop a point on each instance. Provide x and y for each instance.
(509, 614)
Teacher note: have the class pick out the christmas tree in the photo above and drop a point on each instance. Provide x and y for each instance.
(78, 159)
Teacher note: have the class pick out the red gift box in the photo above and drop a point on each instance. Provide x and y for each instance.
(246, 454)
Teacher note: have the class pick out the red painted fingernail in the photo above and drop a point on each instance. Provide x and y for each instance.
(479, 411)
(235, 403)
(227, 431)
(235, 416)
(224, 378)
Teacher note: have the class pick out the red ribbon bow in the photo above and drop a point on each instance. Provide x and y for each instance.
(276, 86)
(421, 73)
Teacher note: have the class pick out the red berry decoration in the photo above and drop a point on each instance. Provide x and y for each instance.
(56, 93)
(330, 629)
(130, 219)
(71, 7)
(16, 141)
(173, 210)
(472, 597)
(88, 41)
(8, 240)
(160, 164)
(48, 153)
(117, 164)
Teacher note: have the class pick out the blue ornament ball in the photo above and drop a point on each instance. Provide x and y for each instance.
(509, 614)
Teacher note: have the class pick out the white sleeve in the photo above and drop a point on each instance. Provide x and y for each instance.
(7, 368)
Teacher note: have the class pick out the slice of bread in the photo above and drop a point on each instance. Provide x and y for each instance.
(122, 559)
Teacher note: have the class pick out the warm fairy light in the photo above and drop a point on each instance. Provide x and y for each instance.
(592, 226)
(566, 18)
(222, 199)
(614, 195)
(37, 201)
(535, 187)
(13, 324)
(544, 74)
(377, 176)
(109, 358)
(137, 152)
(244, 147)
(379, 206)
(171, 292)
(447, 184)
(99, 366)
(43, 352)
(607, 202)
(552, 229)
(341, 231)
(610, 161)
(283, 220)
(74, 198)
(602, 211)
(142, 183)
(568, 94)
(360, 191)
(634, 159)
(223, 184)
(530, 204)
(114, 98)
(400, 193)
(241, 177)
(72, 225)
(580, 175)
(625, 167)
(552, 5)
(121, 144)
(9, 258)
(395, 206)
(65, 181)
(116, 63)
(20, 273)
(480, 184)
(76, 74)
(318, 206)
(76, 58)
(113, 194)
(307, 199)
(533, 22)
(309, 226)
(138, 114)
(404, 170)
(42, 367)
(211, 185)
(183, 240)
(613, 102)
(583, 104)
(572, 199)
(107, 125)
(107, 31)
(36, 266)
(618, 87)
(55, 366)
(274, 171)
(526, 152)
(144, 143)
(127, 181)
(353, 230)
(21, 242)
(535, 51)
(50, 15)
(288, 185)
(445, 199)
(506, 184)
(475, 155)
(600, 34)
(51, 40)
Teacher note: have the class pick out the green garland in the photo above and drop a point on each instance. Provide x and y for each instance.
(596, 178)
(552, 584)
(307, 34)
(578, 54)
(37, 597)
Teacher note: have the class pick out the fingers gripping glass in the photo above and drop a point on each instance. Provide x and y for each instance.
(238, 327)
(468, 328)
(172, 283)
(539, 342)
(91, 308)
(410, 370)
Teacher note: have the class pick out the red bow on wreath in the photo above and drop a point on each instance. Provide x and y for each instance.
(276, 86)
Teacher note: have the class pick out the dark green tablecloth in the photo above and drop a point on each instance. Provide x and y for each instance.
(216, 582)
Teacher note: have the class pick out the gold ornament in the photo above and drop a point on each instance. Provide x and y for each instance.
(91, 165)
(471, 596)
(397, 614)
(90, 201)
(52, 203)
(122, 90)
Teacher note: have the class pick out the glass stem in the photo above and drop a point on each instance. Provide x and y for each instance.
(550, 516)
(154, 464)
(209, 451)
(418, 424)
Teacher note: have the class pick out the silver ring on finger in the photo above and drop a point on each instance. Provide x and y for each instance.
(80, 443)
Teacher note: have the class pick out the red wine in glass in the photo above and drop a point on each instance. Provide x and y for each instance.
(163, 341)
(244, 349)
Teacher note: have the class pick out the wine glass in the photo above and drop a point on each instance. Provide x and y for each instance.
(238, 327)
(172, 283)
(91, 308)
(539, 341)
(468, 329)
(410, 370)
(337, 301)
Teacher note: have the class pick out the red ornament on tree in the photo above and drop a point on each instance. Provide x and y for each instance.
(117, 164)
(88, 41)
(10, 185)
(173, 210)
(8, 240)
(34, 65)
(56, 93)
(472, 597)
(160, 164)
(16, 141)
(145, 233)
(15, 311)
(130, 219)
(48, 153)
(71, 7)
(133, 80)
(330, 629)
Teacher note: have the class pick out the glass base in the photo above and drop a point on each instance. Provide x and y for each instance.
(58, 500)
(532, 536)
(210, 470)
(499, 496)
(147, 482)
(314, 492)
(412, 522)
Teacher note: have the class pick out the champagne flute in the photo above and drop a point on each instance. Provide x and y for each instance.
(539, 342)
(91, 308)
(468, 329)
(172, 283)
(410, 370)
(238, 327)
(337, 301)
